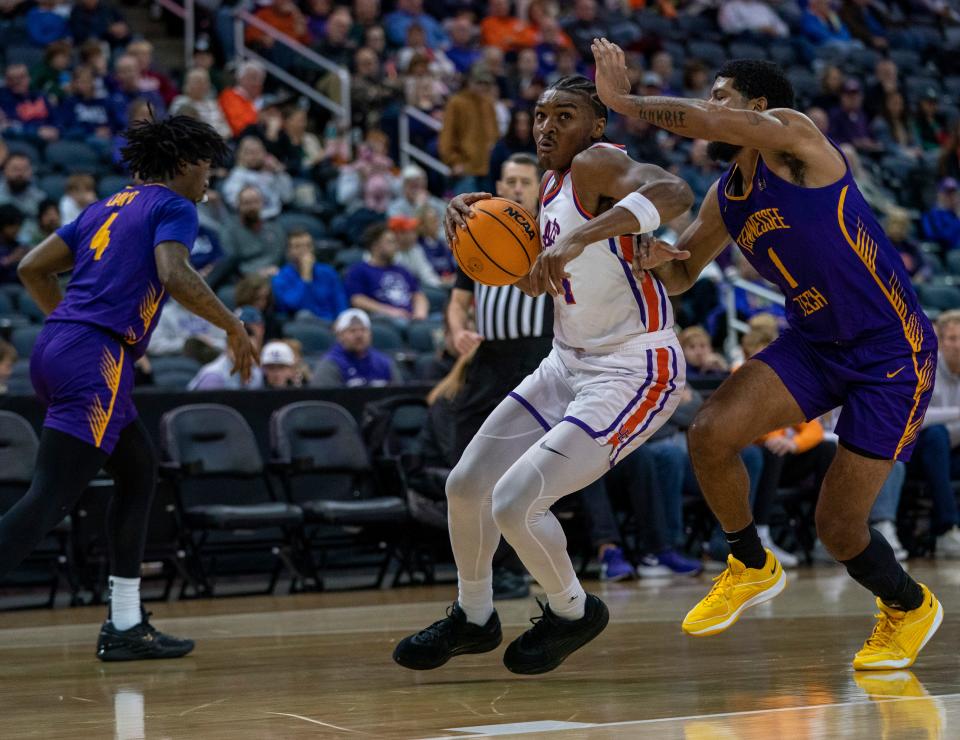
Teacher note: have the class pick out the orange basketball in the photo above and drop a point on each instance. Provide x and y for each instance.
(499, 244)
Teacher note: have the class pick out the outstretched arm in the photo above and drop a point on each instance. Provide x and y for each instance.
(780, 129)
(602, 174)
(702, 241)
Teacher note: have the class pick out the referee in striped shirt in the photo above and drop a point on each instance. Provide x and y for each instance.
(514, 334)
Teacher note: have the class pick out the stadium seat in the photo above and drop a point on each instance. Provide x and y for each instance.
(27, 149)
(421, 335)
(296, 221)
(174, 362)
(747, 50)
(907, 60)
(709, 52)
(314, 337)
(941, 297)
(18, 454)
(918, 83)
(53, 184)
(438, 298)
(348, 257)
(29, 308)
(326, 470)
(953, 262)
(110, 184)
(386, 337)
(32, 56)
(23, 339)
(72, 156)
(782, 54)
(205, 446)
(6, 304)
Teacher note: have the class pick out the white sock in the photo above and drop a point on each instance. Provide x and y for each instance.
(476, 599)
(569, 603)
(124, 602)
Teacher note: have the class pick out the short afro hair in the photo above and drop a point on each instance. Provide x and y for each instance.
(757, 78)
(155, 150)
(580, 85)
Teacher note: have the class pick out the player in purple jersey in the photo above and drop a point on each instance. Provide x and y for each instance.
(857, 339)
(127, 253)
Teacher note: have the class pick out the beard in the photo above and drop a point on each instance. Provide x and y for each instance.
(720, 151)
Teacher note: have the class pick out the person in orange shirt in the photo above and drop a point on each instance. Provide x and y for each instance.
(239, 103)
(531, 35)
(283, 15)
(499, 28)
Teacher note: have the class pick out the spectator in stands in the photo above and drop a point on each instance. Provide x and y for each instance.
(285, 17)
(832, 80)
(407, 13)
(239, 103)
(151, 79)
(305, 285)
(470, 131)
(820, 119)
(500, 27)
(463, 51)
(661, 64)
(897, 229)
(848, 122)
(867, 23)
(47, 222)
(12, 249)
(410, 254)
(253, 243)
(255, 290)
(585, 26)
(438, 64)
(336, 44)
(45, 25)
(371, 91)
(376, 198)
(941, 224)
(700, 356)
(24, 112)
(821, 25)
(300, 151)
(198, 94)
(701, 172)
(352, 362)
(414, 194)
(754, 17)
(207, 256)
(931, 122)
(98, 20)
(379, 286)
(518, 139)
(949, 163)
(8, 358)
(937, 455)
(886, 82)
(182, 332)
(542, 26)
(279, 364)
(218, 375)
(52, 77)
(127, 88)
(894, 127)
(79, 192)
(17, 186)
(696, 79)
(86, 115)
(526, 83)
(92, 55)
(432, 241)
(366, 16)
(261, 170)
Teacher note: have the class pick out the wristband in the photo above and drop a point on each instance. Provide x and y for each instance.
(643, 210)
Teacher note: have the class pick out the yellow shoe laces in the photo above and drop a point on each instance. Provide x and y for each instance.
(884, 632)
(723, 584)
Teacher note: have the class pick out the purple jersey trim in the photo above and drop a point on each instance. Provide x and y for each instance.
(633, 283)
(529, 407)
(633, 402)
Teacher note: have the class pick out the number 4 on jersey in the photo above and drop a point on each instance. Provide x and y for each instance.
(101, 240)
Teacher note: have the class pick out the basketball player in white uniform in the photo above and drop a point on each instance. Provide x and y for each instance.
(613, 378)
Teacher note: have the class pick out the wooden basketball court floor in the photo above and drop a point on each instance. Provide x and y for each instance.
(319, 666)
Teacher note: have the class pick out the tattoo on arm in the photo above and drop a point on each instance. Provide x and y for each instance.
(671, 118)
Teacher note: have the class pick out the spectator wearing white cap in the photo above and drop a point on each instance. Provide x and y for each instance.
(279, 364)
(352, 362)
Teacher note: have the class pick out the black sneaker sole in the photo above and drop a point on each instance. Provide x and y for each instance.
(122, 655)
(595, 629)
(474, 648)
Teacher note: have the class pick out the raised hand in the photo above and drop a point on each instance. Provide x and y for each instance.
(613, 83)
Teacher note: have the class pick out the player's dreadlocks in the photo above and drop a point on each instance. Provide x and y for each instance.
(155, 149)
(580, 85)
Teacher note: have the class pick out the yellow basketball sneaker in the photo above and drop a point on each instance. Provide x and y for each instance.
(734, 590)
(899, 636)
(922, 717)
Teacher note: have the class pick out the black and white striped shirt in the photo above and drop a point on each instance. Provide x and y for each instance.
(505, 312)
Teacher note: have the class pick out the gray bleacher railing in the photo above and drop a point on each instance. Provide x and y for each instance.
(186, 12)
(736, 327)
(408, 151)
(339, 108)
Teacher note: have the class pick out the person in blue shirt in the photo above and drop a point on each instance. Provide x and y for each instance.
(941, 224)
(85, 115)
(407, 13)
(305, 285)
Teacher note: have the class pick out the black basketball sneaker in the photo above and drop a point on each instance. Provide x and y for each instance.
(548, 643)
(442, 640)
(141, 642)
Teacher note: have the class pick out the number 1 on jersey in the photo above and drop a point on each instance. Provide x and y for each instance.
(781, 267)
(101, 240)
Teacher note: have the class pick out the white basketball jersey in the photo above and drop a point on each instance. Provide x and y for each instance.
(603, 304)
